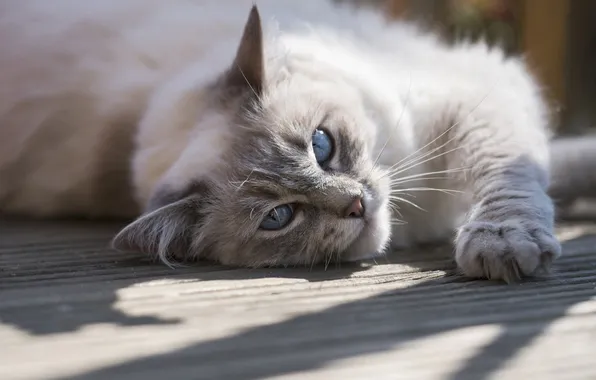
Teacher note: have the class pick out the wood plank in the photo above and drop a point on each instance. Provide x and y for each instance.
(71, 308)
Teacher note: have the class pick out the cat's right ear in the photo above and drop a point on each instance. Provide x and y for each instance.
(247, 70)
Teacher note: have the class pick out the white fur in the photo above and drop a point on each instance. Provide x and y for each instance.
(102, 62)
(85, 69)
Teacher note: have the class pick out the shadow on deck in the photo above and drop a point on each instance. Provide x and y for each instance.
(58, 281)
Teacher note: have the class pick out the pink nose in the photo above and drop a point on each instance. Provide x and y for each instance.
(355, 209)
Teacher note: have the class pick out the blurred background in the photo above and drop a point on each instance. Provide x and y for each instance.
(557, 37)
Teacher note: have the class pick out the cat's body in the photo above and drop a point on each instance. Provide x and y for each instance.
(116, 108)
(573, 170)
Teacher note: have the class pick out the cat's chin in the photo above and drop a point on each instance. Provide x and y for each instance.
(371, 241)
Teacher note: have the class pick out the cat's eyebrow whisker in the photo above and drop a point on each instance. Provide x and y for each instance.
(246, 180)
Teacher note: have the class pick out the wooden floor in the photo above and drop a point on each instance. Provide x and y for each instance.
(71, 308)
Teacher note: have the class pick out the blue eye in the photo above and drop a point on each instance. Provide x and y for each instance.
(322, 145)
(277, 218)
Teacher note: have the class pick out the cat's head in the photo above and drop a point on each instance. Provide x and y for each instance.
(260, 167)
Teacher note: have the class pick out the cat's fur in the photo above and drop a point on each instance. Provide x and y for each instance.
(115, 108)
(573, 169)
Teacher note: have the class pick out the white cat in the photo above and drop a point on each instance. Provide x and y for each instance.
(288, 146)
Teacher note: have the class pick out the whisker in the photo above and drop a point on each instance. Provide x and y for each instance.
(328, 258)
(248, 83)
(446, 191)
(414, 158)
(395, 209)
(314, 259)
(246, 180)
(398, 222)
(447, 130)
(397, 170)
(421, 176)
(401, 199)
(437, 178)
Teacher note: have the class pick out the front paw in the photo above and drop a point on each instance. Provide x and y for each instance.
(505, 250)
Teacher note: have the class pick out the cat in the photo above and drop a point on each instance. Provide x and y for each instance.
(573, 171)
(296, 140)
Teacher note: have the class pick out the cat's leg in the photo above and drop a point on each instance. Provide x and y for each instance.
(573, 171)
(509, 230)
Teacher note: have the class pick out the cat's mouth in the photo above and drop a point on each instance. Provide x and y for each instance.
(373, 237)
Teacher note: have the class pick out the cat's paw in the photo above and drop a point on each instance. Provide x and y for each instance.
(505, 250)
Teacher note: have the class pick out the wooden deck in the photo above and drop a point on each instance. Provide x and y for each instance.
(71, 308)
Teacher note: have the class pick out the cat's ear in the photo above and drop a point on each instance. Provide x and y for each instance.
(247, 71)
(163, 233)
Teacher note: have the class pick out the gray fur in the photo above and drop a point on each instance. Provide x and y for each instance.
(264, 165)
(268, 161)
(507, 232)
(573, 169)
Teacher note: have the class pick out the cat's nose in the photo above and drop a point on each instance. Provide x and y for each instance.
(355, 209)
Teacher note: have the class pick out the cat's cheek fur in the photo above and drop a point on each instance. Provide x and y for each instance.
(373, 239)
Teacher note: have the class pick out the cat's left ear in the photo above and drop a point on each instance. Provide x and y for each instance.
(247, 71)
(165, 232)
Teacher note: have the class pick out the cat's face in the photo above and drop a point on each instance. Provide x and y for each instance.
(294, 182)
